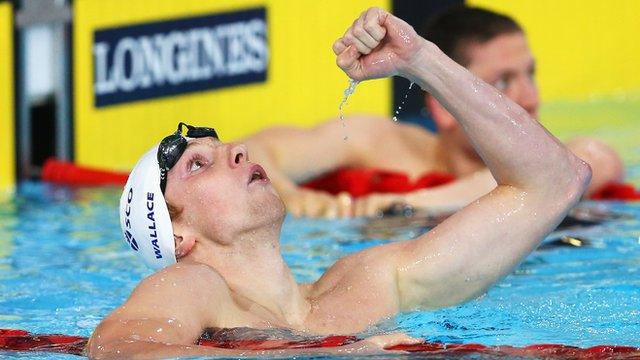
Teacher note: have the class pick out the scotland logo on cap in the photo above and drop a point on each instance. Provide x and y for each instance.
(144, 216)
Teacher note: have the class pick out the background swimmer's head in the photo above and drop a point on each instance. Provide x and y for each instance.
(460, 27)
(493, 47)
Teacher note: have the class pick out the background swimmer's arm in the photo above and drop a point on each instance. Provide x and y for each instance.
(293, 155)
(455, 195)
(443, 199)
(538, 178)
(604, 161)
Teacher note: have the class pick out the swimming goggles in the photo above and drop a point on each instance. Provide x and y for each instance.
(172, 147)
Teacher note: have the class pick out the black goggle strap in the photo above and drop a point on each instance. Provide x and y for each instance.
(200, 132)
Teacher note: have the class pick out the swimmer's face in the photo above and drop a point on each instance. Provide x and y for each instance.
(506, 62)
(220, 193)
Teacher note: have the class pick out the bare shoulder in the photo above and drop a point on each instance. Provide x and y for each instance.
(190, 276)
(591, 147)
(173, 289)
(373, 123)
(356, 125)
(173, 305)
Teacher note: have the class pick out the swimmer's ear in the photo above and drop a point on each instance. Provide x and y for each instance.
(442, 118)
(184, 244)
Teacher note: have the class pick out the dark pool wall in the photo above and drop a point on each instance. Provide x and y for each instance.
(416, 13)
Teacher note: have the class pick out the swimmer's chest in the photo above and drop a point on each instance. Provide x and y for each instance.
(345, 307)
(350, 298)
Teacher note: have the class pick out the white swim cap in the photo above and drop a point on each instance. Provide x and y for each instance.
(144, 216)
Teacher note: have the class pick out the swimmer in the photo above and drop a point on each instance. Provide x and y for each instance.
(490, 45)
(209, 220)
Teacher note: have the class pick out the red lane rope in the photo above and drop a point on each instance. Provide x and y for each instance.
(21, 340)
(67, 173)
(617, 191)
(364, 181)
(357, 182)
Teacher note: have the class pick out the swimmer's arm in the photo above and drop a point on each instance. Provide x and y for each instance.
(538, 179)
(143, 350)
(172, 306)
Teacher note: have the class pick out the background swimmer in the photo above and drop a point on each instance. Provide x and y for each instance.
(494, 48)
(226, 223)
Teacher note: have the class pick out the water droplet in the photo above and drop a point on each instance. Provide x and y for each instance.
(347, 92)
(404, 99)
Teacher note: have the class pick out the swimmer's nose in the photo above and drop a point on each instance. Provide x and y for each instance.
(238, 154)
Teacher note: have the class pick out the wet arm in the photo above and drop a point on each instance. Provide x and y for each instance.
(538, 179)
(164, 316)
(154, 350)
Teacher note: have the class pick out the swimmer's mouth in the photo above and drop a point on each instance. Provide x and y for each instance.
(258, 174)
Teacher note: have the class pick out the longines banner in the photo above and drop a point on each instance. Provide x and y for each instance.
(240, 66)
(165, 58)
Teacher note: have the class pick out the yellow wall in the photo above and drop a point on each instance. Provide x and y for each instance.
(7, 147)
(584, 48)
(303, 87)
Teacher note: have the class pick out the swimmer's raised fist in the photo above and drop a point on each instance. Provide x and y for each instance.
(377, 45)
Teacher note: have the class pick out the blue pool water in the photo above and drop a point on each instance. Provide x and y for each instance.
(63, 267)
